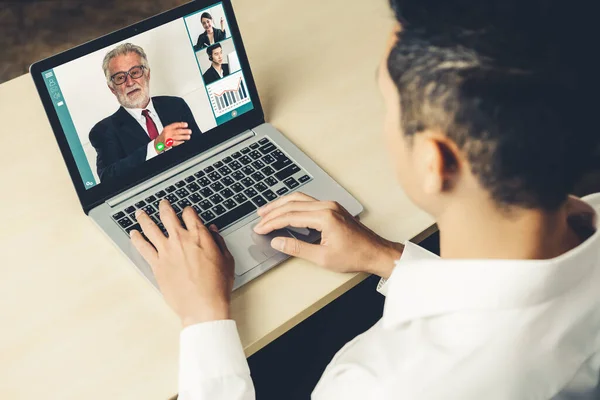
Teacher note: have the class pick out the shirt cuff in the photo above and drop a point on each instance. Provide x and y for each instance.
(210, 350)
(150, 152)
(411, 252)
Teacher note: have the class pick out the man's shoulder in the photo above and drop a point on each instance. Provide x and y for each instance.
(167, 100)
(106, 123)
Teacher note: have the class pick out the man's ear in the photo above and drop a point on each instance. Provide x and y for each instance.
(441, 163)
(148, 74)
(111, 89)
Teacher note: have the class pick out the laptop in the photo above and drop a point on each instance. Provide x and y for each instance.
(155, 111)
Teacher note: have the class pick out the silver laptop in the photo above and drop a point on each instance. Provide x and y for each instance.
(168, 109)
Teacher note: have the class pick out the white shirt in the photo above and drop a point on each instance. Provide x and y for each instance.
(451, 329)
(136, 113)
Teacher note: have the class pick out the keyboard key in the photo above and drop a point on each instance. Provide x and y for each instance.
(205, 204)
(271, 181)
(259, 201)
(248, 170)
(156, 204)
(257, 176)
(240, 198)
(180, 184)
(155, 219)
(150, 199)
(217, 186)
(216, 198)
(234, 215)
(199, 174)
(269, 195)
(282, 191)
(204, 181)
(227, 160)
(250, 192)
(287, 172)
(267, 148)
(170, 189)
(238, 175)
(140, 204)
(224, 170)
(214, 176)
(206, 192)
(176, 208)
(148, 209)
(237, 187)
(125, 222)
(182, 193)
(172, 198)
(193, 187)
(247, 182)
(260, 187)
(218, 164)
(291, 183)
(281, 163)
(245, 160)
(209, 169)
(236, 154)
(219, 210)
(304, 178)
(268, 171)
(268, 159)
(258, 164)
(190, 179)
(254, 146)
(160, 194)
(195, 198)
(245, 150)
(235, 165)
(132, 217)
(263, 141)
(184, 203)
(197, 208)
(227, 181)
(226, 193)
(207, 216)
(229, 204)
(118, 215)
(255, 155)
(137, 227)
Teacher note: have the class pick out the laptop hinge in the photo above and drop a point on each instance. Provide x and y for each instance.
(134, 191)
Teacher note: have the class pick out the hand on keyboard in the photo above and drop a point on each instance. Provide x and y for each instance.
(346, 244)
(192, 266)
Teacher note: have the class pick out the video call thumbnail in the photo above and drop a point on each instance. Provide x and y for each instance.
(130, 102)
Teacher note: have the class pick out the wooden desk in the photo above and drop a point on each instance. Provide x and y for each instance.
(76, 319)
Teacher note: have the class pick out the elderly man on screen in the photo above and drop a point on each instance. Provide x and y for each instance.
(143, 126)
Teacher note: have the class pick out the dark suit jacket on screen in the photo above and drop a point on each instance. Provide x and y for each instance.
(212, 75)
(203, 40)
(121, 143)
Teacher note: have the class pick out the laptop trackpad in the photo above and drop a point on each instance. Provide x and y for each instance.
(249, 249)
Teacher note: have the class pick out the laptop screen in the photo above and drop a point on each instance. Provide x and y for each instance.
(143, 97)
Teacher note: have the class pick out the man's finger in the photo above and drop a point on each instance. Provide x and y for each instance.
(219, 239)
(296, 196)
(298, 248)
(169, 218)
(152, 232)
(181, 132)
(297, 219)
(176, 125)
(293, 206)
(144, 248)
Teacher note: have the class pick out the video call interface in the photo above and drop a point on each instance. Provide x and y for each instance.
(137, 99)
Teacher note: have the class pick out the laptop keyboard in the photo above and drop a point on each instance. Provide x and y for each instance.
(226, 191)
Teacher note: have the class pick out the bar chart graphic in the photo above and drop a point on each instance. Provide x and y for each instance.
(228, 94)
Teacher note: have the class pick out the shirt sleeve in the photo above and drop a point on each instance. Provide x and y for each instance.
(411, 252)
(212, 363)
(150, 152)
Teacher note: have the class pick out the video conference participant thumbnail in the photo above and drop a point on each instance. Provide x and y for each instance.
(211, 34)
(143, 126)
(218, 69)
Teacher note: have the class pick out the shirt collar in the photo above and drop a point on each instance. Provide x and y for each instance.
(137, 112)
(426, 288)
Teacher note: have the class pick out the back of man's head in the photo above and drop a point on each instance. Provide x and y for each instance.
(503, 80)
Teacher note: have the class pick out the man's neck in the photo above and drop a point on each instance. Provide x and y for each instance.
(476, 231)
(217, 66)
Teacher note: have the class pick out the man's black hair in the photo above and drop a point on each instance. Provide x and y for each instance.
(500, 79)
(212, 48)
(205, 15)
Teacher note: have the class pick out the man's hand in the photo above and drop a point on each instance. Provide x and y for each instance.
(222, 23)
(178, 131)
(193, 267)
(346, 244)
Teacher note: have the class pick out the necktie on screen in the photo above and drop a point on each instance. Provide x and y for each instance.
(152, 131)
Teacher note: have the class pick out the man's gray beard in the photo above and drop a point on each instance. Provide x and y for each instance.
(139, 101)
